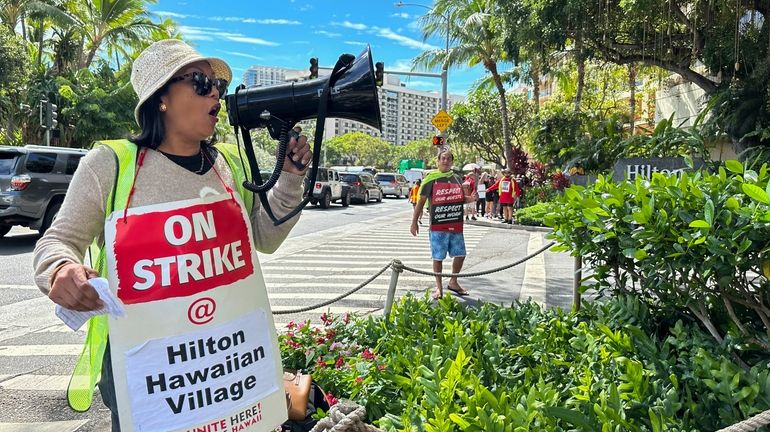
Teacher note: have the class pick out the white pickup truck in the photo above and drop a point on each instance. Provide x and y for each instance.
(328, 188)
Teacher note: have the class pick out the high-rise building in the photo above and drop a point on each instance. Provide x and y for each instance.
(406, 113)
(265, 75)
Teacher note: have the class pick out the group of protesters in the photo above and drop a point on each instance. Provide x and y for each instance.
(498, 195)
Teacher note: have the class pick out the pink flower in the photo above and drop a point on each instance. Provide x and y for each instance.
(367, 355)
(327, 319)
(330, 399)
(346, 317)
(291, 325)
(293, 344)
(381, 367)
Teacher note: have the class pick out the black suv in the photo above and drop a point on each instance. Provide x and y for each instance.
(33, 181)
(362, 187)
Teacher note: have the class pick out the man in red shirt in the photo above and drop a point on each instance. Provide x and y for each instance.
(446, 194)
(508, 194)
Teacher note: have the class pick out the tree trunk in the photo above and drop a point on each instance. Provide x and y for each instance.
(41, 33)
(535, 74)
(632, 101)
(23, 28)
(507, 149)
(581, 71)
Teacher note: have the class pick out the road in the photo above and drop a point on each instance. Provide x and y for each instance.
(329, 252)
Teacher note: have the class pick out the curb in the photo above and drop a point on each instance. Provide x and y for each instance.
(500, 225)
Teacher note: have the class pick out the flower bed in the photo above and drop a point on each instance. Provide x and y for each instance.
(611, 366)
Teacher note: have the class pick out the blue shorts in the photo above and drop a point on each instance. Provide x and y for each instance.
(443, 242)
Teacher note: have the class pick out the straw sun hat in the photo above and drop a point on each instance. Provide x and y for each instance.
(160, 61)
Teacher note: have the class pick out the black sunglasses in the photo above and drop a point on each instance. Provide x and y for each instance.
(202, 83)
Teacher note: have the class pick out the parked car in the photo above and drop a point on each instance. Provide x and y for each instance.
(363, 188)
(328, 188)
(33, 181)
(414, 174)
(393, 184)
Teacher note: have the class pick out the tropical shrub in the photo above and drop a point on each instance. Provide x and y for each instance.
(692, 245)
(611, 366)
(534, 215)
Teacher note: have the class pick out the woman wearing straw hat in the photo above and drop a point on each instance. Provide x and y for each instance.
(173, 170)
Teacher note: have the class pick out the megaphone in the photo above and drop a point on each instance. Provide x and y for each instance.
(353, 96)
(349, 92)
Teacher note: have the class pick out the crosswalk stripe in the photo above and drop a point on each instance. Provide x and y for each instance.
(325, 296)
(40, 350)
(36, 382)
(55, 426)
(351, 277)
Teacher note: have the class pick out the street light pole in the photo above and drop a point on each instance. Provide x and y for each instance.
(446, 57)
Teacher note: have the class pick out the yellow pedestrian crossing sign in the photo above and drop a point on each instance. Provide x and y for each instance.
(442, 120)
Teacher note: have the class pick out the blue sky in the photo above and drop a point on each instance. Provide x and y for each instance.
(286, 33)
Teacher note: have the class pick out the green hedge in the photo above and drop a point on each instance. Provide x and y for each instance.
(692, 246)
(534, 215)
(613, 366)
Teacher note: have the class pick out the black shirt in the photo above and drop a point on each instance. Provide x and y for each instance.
(197, 163)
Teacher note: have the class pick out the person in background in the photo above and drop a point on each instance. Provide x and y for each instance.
(470, 208)
(481, 191)
(507, 188)
(445, 194)
(488, 196)
(414, 195)
(492, 190)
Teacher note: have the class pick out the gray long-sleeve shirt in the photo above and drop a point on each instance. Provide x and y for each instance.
(82, 215)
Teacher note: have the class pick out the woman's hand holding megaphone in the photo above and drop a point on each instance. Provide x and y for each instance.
(297, 154)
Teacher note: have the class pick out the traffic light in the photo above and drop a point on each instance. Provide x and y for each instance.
(379, 73)
(438, 140)
(313, 67)
(50, 115)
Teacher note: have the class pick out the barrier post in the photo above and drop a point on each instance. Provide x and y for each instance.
(577, 277)
(395, 270)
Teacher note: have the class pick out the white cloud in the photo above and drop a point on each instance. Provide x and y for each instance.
(251, 40)
(414, 26)
(401, 65)
(173, 14)
(351, 25)
(327, 33)
(210, 34)
(240, 54)
(278, 21)
(355, 43)
(405, 41)
(401, 15)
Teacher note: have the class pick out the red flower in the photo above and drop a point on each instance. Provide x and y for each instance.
(321, 341)
(291, 325)
(381, 367)
(367, 355)
(359, 380)
(346, 317)
(290, 334)
(293, 344)
(326, 319)
(330, 399)
(320, 363)
(330, 334)
(340, 361)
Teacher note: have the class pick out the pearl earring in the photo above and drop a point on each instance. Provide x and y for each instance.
(163, 107)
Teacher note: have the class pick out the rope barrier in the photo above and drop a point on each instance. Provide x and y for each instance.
(339, 297)
(750, 424)
(480, 273)
(345, 416)
(399, 267)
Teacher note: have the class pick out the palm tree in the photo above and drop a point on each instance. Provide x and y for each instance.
(473, 26)
(109, 22)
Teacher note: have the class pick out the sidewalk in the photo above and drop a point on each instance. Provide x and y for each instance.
(546, 278)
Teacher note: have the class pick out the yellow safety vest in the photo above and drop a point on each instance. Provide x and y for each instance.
(88, 369)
